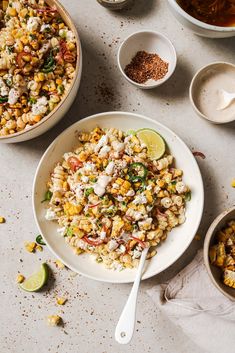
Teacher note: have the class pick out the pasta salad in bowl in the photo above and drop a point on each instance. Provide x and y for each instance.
(40, 66)
(111, 193)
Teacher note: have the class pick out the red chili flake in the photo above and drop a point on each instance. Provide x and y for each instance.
(199, 154)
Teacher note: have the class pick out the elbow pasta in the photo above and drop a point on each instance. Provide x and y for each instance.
(102, 210)
(37, 63)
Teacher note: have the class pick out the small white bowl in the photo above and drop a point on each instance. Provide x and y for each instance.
(151, 42)
(199, 79)
(201, 28)
(215, 272)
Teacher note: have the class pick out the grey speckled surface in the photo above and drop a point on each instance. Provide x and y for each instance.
(93, 308)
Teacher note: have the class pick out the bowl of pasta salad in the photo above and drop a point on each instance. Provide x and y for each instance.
(103, 192)
(40, 67)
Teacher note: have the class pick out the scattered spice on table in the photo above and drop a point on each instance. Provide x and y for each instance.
(145, 66)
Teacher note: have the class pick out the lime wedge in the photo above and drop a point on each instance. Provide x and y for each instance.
(37, 280)
(155, 144)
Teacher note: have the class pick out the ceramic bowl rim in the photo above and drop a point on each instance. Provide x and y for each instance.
(198, 23)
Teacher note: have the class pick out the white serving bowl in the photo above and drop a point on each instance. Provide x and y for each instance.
(177, 241)
(57, 114)
(151, 42)
(199, 27)
(213, 271)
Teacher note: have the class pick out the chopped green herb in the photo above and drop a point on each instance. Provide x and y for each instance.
(39, 240)
(173, 182)
(10, 49)
(188, 196)
(123, 203)
(69, 231)
(32, 36)
(32, 100)
(47, 196)
(88, 191)
(3, 99)
(60, 89)
(93, 180)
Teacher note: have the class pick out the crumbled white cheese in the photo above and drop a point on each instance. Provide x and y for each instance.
(146, 223)
(115, 186)
(120, 198)
(112, 245)
(100, 185)
(33, 23)
(61, 231)
(14, 95)
(118, 146)
(140, 199)
(103, 141)
(109, 169)
(84, 179)
(79, 191)
(89, 167)
(40, 107)
(45, 27)
(102, 235)
(50, 215)
(122, 249)
(130, 193)
(104, 151)
(136, 254)
(4, 90)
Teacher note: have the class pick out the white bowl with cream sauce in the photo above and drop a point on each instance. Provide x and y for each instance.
(205, 92)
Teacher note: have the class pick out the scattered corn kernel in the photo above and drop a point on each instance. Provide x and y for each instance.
(31, 246)
(2, 220)
(54, 320)
(233, 183)
(59, 264)
(61, 300)
(39, 248)
(20, 278)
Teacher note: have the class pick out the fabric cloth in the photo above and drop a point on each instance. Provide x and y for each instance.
(192, 302)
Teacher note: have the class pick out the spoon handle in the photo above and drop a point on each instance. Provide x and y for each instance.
(126, 324)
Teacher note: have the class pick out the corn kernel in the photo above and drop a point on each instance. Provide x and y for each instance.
(233, 183)
(71, 46)
(20, 278)
(39, 248)
(11, 11)
(37, 118)
(59, 264)
(54, 320)
(61, 300)
(23, 12)
(59, 81)
(30, 247)
(61, 25)
(2, 220)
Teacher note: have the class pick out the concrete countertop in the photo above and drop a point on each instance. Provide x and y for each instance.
(93, 308)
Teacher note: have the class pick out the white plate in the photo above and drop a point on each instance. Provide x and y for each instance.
(178, 239)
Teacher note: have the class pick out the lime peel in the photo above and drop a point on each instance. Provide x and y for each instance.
(37, 280)
(156, 145)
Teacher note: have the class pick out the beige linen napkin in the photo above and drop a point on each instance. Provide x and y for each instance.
(191, 302)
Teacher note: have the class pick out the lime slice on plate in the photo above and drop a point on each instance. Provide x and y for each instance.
(37, 280)
(155, 144)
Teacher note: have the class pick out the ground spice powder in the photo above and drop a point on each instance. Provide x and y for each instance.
(145, 66)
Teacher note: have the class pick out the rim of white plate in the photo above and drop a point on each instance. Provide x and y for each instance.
(193, 161)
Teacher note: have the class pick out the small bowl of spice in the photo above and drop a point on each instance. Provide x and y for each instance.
(147, 59)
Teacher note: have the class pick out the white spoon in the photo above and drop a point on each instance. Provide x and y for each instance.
(227, 99)
(126, 324)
